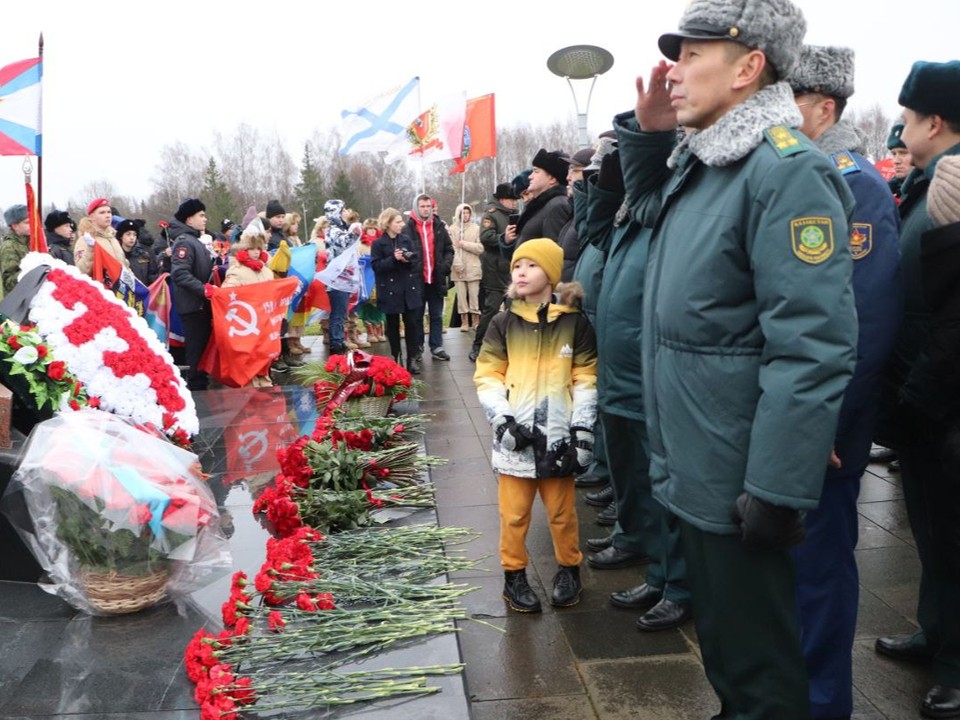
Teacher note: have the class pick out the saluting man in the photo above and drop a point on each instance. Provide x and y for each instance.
(749, 333)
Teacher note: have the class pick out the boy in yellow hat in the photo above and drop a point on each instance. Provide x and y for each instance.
(536, 380)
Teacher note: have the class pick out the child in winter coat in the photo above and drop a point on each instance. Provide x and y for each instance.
(536, 380)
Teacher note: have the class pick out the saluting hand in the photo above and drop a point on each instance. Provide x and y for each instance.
(653, 111)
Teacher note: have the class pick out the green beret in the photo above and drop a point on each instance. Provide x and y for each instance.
(933, 88)
(894, 140)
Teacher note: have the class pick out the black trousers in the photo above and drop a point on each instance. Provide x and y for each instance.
(197, 327)
(745, 610)
(492, 300)
(413, 331)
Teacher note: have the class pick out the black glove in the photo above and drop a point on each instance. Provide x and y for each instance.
(581, 447)
(764, 526)
(611, 175)
(511, 435)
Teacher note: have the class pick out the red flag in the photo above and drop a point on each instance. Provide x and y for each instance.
(38, 241)
(253, 437)
(246, 329)
(479, 132)
(106, 268)
(885, 167)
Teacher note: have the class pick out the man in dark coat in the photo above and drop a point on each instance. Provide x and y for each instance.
(191, 266)
(568, 237)
(915, 410)
(827, 582)
(548, 209)
(275, 214)
(60, 227)
(142, 261)
(496, 267)
(430, 232)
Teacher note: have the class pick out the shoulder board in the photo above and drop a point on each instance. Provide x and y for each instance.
(784, 140)
(845, 162)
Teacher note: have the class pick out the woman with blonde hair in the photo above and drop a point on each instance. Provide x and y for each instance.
(97, 229)
(466, 269)
(248, 265)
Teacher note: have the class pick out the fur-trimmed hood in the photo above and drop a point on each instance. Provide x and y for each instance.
(567, 297)
(740, 130)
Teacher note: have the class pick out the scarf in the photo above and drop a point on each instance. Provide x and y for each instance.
(254, 262)
(425, 232)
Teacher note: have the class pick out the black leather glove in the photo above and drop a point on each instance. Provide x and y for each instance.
(581, 447)
(765, 526)
(511, 435)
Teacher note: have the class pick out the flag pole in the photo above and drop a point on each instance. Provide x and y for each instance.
(40, 154)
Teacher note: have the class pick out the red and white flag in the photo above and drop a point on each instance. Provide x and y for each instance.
(437, 133)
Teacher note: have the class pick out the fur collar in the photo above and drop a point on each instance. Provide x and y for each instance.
(842, 136)
(740, 130)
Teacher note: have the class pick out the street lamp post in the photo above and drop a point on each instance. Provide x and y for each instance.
(580, 62)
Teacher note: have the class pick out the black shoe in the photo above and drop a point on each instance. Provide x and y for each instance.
(279, 366)
(607, 516)
(599, 498)
(598, 544)
(566, 586)
(439, 354)
(664, 615)
(642, 597)
(941, 702)
(338, 349)
(880, 454)
(912, 647)
(614, 557)
(518, 593)
(474, 354)
(414, 367)
(588, 480)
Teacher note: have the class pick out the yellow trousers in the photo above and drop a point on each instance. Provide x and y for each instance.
(516, 497)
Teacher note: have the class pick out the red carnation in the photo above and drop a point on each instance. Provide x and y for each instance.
(56, 369)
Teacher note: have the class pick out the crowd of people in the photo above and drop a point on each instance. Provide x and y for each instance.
(709, 317)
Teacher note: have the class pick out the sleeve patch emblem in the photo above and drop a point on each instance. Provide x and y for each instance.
(861, 240)
(182, 253)
(811, 239)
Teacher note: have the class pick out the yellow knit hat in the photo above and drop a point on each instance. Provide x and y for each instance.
(545, 253)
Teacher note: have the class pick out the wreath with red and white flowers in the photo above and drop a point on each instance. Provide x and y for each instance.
(110, 349)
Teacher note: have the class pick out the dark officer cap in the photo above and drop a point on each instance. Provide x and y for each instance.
(933, 88)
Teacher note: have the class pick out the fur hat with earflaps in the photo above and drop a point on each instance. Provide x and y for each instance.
(253, 237)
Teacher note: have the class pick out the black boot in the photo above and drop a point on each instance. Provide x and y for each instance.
(414, 365)
(518, 593)
(566, 586)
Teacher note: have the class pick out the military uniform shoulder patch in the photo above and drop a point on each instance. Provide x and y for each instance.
(811, 239)
(845, 162)
(784, 140)
(182, 252)
(487, 222)
(861, 240)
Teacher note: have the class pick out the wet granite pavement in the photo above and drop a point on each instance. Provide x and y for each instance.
(581, 663)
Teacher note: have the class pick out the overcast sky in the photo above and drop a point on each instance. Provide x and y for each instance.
(123, 79)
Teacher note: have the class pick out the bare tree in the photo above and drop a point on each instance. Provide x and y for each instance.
(874, 127)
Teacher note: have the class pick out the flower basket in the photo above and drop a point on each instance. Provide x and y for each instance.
(370, 406)
(119, 519)
(114, 594)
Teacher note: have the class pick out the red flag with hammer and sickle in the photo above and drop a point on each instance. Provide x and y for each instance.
(246, 329)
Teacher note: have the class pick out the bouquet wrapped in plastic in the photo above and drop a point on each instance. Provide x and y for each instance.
(119, 519)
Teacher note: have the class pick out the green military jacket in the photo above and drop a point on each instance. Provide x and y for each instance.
(13, 248)
(750, 327)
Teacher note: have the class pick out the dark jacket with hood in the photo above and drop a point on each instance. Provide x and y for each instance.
(496, 267)
(191, 267)
(60, 247)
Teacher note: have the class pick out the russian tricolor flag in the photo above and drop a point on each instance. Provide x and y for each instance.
(20, 131)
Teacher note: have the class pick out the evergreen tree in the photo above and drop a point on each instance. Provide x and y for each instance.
(216, 196)
(342, 189)
(309, 192)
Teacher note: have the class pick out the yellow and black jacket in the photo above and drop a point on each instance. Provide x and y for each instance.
(538, 365)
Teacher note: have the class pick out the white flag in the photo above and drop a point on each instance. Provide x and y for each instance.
(343, 272)
(381, 121)
(435, 134)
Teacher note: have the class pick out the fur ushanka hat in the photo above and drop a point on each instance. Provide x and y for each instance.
(824, 70)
